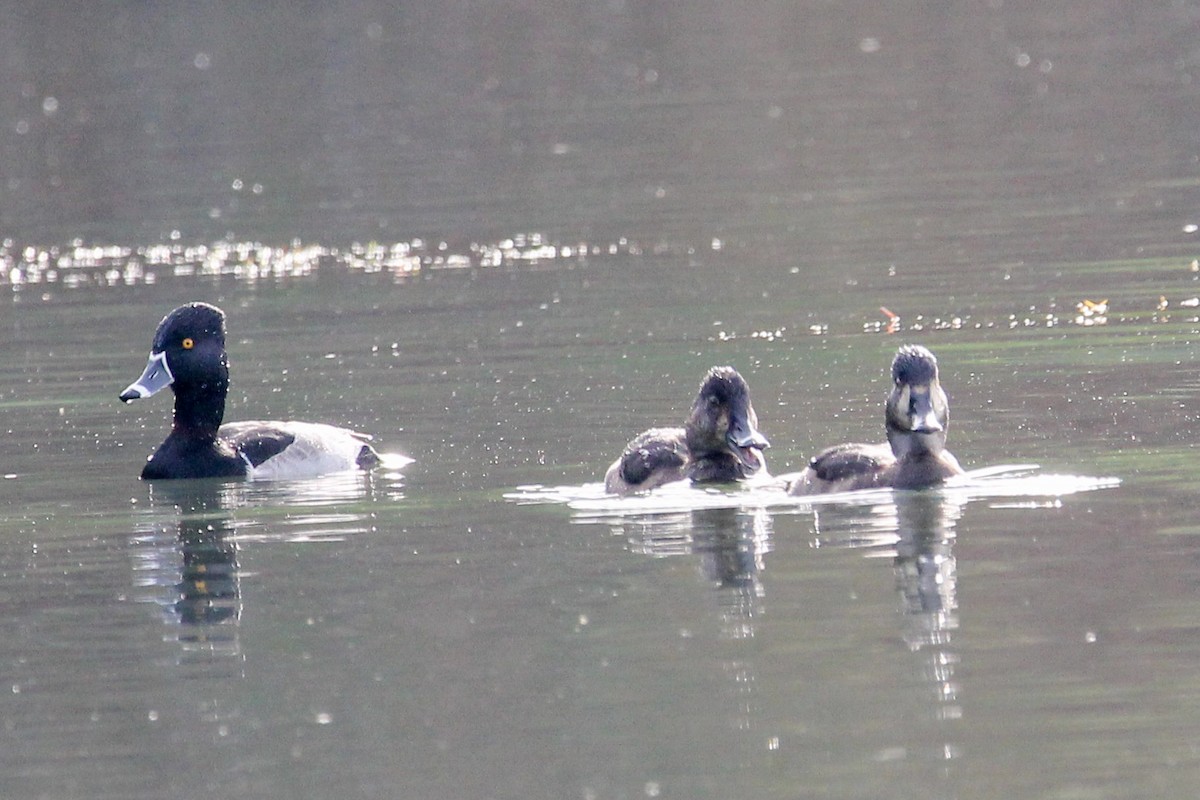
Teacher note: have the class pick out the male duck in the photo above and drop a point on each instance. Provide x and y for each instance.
(719, 442)
(915, 457)
(188, 355)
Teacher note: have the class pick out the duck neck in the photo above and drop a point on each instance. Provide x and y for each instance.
(200, 408)
(912, 445)
(701, 444)
(715, 467)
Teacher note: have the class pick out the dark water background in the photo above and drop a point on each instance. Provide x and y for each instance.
(504, 238)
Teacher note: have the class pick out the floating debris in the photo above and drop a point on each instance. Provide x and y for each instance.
(769, 336)
(893, 319)
(889, 325)
(1091, 313)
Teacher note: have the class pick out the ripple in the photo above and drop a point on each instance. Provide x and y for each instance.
(1024, 483)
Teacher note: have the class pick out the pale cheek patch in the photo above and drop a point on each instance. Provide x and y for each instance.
(939, 400)
(903, 419)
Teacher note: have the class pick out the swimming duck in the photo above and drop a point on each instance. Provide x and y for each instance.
(188, 354)
(915, 457)
(718, 443)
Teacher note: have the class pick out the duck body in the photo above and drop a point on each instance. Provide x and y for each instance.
(651, 458)
(188, 354)
(917, 414)
(719, 442)
(261, 450)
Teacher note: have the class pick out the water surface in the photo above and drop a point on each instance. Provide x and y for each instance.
(504, 242)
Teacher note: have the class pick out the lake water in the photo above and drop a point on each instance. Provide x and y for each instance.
(505, 239)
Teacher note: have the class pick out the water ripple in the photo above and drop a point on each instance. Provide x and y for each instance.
(1009, 481)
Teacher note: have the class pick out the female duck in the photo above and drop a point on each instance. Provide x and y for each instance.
(188, 354)
(719, 442)
(915, 457)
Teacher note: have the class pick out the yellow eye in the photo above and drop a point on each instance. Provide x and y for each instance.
(188, 344)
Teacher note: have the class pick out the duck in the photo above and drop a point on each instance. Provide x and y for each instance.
(718, 443)
(188, 355)
(916, 417)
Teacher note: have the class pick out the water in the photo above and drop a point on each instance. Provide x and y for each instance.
(503, 242)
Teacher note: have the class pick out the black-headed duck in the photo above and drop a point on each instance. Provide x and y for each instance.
(718, 443)
(915, 456)
(188, 354)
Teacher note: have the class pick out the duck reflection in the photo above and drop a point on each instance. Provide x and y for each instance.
(186, 546)
(918, 527)
(926, 577)
(189, 566)
(925, 567)
(731, 544)
(208, 588)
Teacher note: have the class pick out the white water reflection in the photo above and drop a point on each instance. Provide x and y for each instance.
(999, 483)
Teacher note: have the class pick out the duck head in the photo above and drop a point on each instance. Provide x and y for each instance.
(723, 420)
(917, 411)
(188, 354)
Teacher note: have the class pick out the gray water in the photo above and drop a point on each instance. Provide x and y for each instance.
(503, 240)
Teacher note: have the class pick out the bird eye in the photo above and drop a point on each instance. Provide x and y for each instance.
(188, 344)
